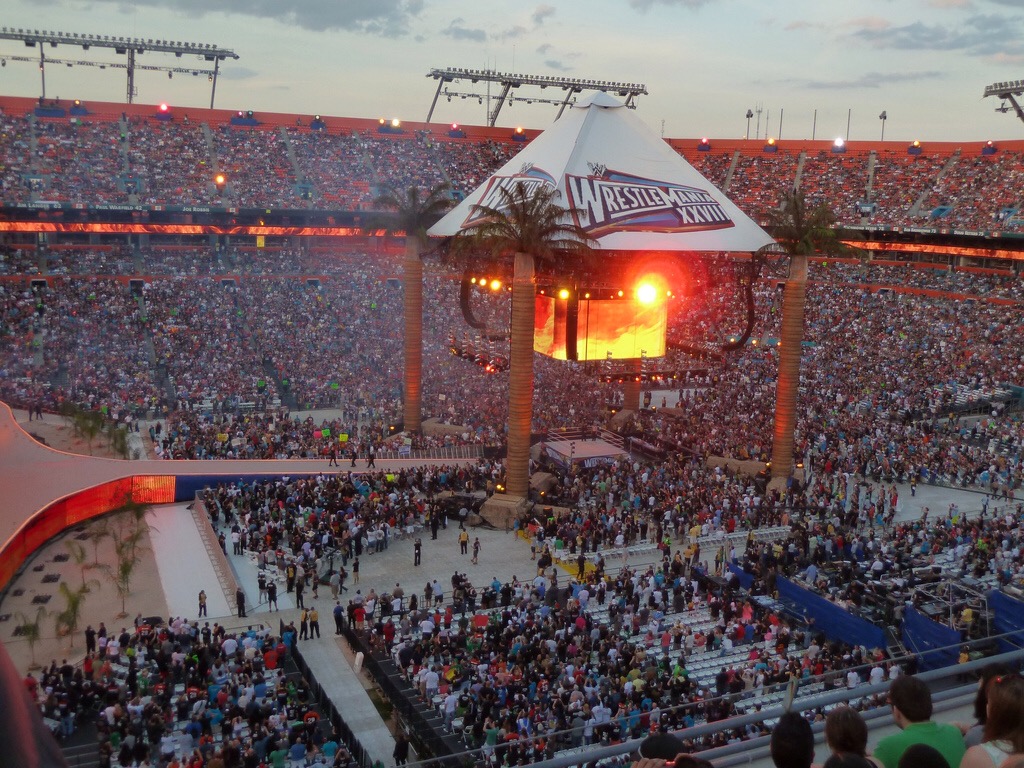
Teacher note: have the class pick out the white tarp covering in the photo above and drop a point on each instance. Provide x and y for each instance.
(632, 191)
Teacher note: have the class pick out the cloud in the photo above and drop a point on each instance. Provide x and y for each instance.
(646, 5)
(544, 48)
(1007, 58)
(238, 73)
(797, 25)
(873, 23)
(872, 80)
(513, 33)
(457, 31)
(387, 18)
(557, 65)
(949, 3)
(541, 14)
(981, 35)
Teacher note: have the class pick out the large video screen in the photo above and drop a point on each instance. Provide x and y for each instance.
(615, 329)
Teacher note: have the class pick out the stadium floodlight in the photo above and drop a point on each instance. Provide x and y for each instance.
(1007, 92)
(509, 81)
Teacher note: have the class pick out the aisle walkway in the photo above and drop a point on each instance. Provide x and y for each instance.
(182, 563)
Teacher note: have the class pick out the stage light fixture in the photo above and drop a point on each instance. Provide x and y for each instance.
(646, 293)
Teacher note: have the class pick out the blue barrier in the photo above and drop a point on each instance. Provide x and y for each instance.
(834, 621)
(922, 636)
(746, 579)
(1007, 617)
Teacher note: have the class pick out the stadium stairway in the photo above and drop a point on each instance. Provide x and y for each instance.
(287, 396)
(915, 209)
(81, 749)
(289, 149)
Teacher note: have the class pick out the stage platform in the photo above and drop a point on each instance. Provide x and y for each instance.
(586, 453)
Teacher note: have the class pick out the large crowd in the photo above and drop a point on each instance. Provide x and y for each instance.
(557, 663)
(224, 362)
(141, 160)
(188, 694)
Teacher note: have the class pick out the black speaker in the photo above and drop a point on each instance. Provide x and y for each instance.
(572, 325)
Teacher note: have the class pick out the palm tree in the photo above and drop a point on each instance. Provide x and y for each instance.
(801, 232)
(32, 631)
(99, 530)
(66, 620)
(88, 424)
(128, 533)
(414, 215)
(533, 226)
(80, 556)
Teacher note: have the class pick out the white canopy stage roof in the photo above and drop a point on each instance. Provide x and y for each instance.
(631, 190)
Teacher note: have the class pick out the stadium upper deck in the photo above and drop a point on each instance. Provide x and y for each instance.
(113, 159)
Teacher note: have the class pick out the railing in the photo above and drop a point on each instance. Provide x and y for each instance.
(443, 453)
(425, 738)
(225, 576)
(323, 701)
(755, 749)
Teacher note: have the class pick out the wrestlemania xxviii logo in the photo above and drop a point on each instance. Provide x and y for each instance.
(608, 201)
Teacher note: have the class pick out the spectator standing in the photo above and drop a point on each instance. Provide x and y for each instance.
(272, 595)
(314, 621)
(339, 617)
(401, 752)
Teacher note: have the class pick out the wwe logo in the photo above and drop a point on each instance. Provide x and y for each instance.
(597, 169)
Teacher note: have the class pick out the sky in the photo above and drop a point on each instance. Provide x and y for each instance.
(814, 68)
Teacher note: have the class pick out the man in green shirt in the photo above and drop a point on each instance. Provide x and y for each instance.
(912, 710)
(279, 757)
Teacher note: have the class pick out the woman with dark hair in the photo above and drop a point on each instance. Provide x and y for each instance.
(973, 733)
(1004, 725)
(846, 734)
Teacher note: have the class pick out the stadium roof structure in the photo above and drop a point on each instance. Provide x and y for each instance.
(510, 81)
(127, 46)
(628, 189)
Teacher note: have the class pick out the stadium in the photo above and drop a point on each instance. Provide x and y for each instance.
(211, 306)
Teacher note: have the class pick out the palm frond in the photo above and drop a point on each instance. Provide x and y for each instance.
(412, 211)
(527, 221)
(801, 230)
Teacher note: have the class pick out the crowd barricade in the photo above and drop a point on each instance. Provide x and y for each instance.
(836, 622)
(324, 702)
(934, 643)
(1007, 617)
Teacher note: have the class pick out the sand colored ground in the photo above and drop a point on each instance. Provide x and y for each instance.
(102, 602)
